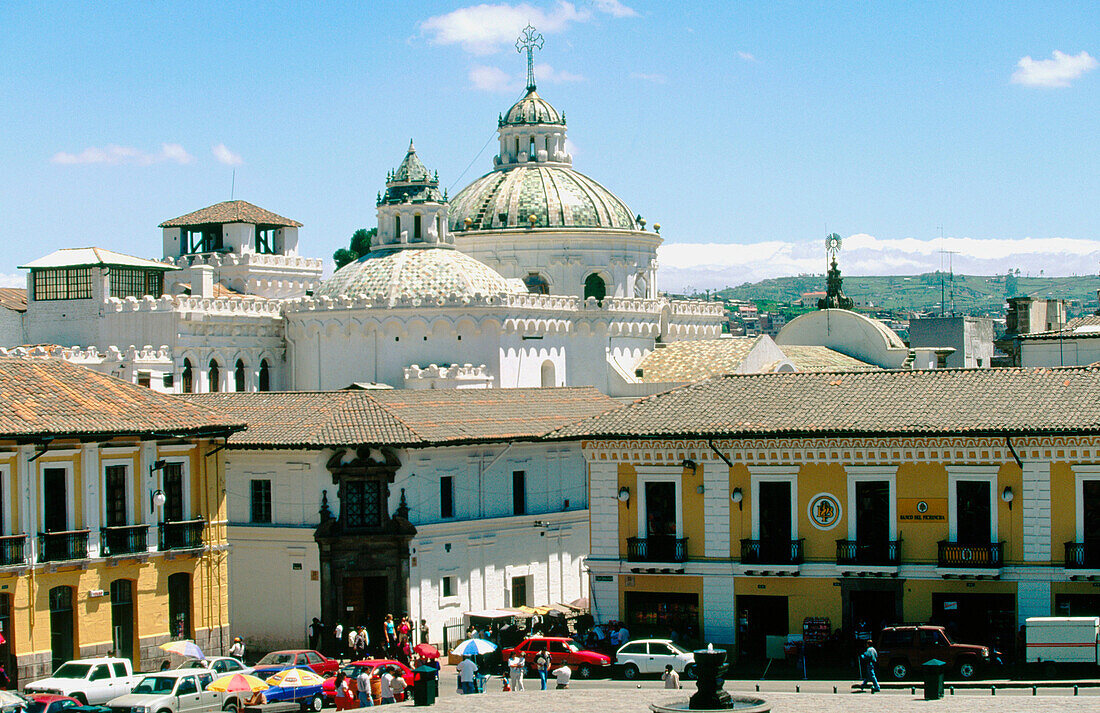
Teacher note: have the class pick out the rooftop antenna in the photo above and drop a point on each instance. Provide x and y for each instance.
(942, 298)
(233, 185)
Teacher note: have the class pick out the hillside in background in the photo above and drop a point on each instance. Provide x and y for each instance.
(972, 294)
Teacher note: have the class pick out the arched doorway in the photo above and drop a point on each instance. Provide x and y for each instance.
(122, 619)
(179, 605)
(548, 374)
(594, 286)
(62, 647)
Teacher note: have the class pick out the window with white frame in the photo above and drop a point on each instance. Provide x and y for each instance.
(116, 486)
(972, 504)
(872, 503)
(1087, 504)
(447, 587)
(774, 493)
(660, 503)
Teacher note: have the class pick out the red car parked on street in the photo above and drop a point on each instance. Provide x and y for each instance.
(562, 650)
(50, 703)
(352, 671)
(278, 660)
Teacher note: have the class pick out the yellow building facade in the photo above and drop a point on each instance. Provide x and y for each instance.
(114, 535)
(731, 537)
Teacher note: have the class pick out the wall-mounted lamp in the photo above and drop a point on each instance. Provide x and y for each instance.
(737, 496)
(1008, 496)
(157, 497)
(624, 495)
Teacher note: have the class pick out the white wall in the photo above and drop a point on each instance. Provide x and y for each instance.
(1069, 351)
(11, 328)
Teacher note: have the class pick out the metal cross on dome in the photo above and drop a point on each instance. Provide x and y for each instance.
(530, 40)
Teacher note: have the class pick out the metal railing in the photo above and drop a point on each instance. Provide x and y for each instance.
(771, 551)
(885, 553)
(1082, 555)
(13, 550)
(61, 546)
(124, 539)
(979, 555)
(181, 534)
(656, 549)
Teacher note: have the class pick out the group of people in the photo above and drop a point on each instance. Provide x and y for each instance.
(470, 682)
(606, 638)
(391, 688)
(396, 640)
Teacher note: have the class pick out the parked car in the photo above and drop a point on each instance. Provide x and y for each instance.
(218, 665)
(278, 660)
(650, 656)
(353, 669)
(562, 650)
(50, 703)
(88, 680)
(901, 649)
(175, 691)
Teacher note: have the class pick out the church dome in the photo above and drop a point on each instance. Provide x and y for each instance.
(532, 109)
(558, 196)
(429, 272)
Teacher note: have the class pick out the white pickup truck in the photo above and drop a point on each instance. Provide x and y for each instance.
(90, 681)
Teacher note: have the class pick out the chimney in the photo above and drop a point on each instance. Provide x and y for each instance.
(202, 281)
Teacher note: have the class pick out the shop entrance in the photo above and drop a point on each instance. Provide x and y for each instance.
(179, 605)
(122, 619)
(759, 616)
(658, 614)
(62, 647)
(1077, 605)
(6, 657)
(366, 603)
(988, 619)
(870, 606)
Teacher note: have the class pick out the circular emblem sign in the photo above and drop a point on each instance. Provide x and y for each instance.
(824, 511)
(922, 507)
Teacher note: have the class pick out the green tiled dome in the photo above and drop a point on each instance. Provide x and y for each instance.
(557, 196)
(532, 109)
(385, 275)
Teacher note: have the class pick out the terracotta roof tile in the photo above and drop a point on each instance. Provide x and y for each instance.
(13, 298)
(818, 358)
(231, 212)
(50, 397)
(694, 360)
(946, 401)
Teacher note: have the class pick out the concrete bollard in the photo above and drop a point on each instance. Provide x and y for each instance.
(952, 689)
(1075, 689)
(912, 690)
(798, 689)
(834, 689)
(758, 688)
(1034, 690)
(992, 690)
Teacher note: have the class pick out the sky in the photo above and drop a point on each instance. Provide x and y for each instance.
(747, 130)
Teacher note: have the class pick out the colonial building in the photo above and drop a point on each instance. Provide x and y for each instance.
(427, 502)
(112, 504)
(739, 506)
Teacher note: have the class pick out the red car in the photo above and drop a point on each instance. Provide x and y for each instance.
(278, 660)
(352, 671)
(562, 650)
(50, 703)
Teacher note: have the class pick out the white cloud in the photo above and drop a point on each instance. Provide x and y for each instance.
(615, 8)
(655, 78)
(1054, 72)
(492, 79)
(746, 56)
(717, 265)
(15, 280)
(224, 155)
(112, 154)
(485, 29)
(549, 75)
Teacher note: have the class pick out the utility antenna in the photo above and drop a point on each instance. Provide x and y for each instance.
(233, 185)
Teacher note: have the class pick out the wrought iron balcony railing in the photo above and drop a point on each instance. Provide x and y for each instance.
(181, 534)
(977, 556)
(124, 540)
(1082, 555)
(656, 549)
(61, 546)
(771, 551)
(885, 553)
(13, 550)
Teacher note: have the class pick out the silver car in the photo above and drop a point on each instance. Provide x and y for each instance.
(176, 691)
(650, 656)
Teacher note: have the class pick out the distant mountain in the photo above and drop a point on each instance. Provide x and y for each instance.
(966, 294)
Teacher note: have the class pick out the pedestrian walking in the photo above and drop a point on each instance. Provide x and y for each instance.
(562, 674)
(542, 665)
(867, 661)
(467, 675)
(340, 691)
(423, 631)
(387, 687)
(338, 640)
(362, 684)
(315, 630)
(389, 633)
(515, 671)
(362, 641)
(670, 677)
(237, 649)
(397, 684)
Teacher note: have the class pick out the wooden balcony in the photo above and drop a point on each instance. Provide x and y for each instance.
(1082, 555)
(62, 546)
(971, 556)
(181, 534)
(124, 540)
(771, 551)
(656, 549)
(13, 550)
(886, 553)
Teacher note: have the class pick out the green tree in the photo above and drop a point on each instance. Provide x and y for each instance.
(360, 245)
(1012, 284)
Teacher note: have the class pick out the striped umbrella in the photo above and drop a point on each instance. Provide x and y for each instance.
(295, 678)
(237, 682)
(183, 648)
(473, 647)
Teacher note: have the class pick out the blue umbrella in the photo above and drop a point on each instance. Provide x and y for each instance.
(473, 647)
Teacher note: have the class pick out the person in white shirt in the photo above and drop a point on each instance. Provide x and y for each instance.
(237, 649)
(362, 683)
(338, 640)
(515, 671)
(467, 675)
(671, 678)
(562, 675)
(397, 684)
(386, 689)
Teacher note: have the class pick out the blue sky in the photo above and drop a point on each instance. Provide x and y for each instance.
(743, 128)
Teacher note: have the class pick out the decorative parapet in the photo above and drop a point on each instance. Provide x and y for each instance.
(433, 376)
(229, 259)
(146, 354)
(697, 308)
(183, 303)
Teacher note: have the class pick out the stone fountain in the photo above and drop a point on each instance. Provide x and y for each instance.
(710, 666)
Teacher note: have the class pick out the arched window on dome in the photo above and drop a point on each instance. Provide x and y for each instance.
(187, 378)
(265, 376)
(397, 228)
(549, 374)
(594, 286)
(213, 377)
(640, 285)
(417, 226)
(536, 284)
(238, 376)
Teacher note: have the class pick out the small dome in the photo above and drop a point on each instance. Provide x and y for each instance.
(425, 273)
(532, 109)
(557, 196)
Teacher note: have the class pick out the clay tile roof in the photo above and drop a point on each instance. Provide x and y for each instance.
(13, 298)
(694, 360)
(331, 419)
(947, 401)
(817, 358)
(49, 397)
(231, 212)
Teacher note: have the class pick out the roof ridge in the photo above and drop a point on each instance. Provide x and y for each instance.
(391, 414)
